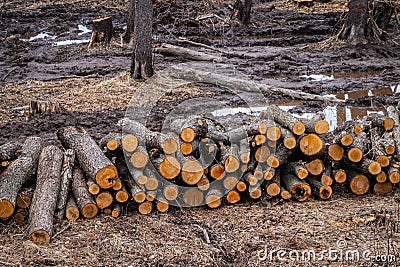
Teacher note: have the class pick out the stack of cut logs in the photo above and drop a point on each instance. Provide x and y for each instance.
(195, 163)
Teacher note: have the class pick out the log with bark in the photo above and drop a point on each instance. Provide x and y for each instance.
(90, 157)
(18, 173)
(10, 151)
(84, 199)
(44, 200)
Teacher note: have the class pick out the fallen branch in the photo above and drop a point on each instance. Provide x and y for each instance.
(173, 50)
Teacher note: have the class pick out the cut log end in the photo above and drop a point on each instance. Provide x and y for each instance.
(311, 144)
(139, 159)
(299, 128)
(94, 189)
(326, 179)
(394, 177)
(274, 133)
(171, 193)
(383, 188)
(255, 193)
(245, 157)
(241, 186)
(186, 148)
(233, 197)
(129, 143)
(289, 142)
(104, 200)
(359, 185)
(145, 208)
(262, 153)
(23, 201)
(315, 167)
(122, 196)
(170, 167)
(162, 206)
(231, 164)
(217, 172)
(273, 189)
(347, 140)
(230, 182)
(6, 209)
(273, 161)
(193, 197)
(192, 171)
(325, 192)
(390, 150)
(335, 152)
(72, 213)
(301, 192)
(188, 135)
(388, 124)
(269, 174)
(285, 194)
(383, 160)
(139, 197)
(106, 177)
(112, 145)
(302, 173)
(381, 177)
(89, 211)
(169, 146)
(321, 127)
(355, 154)
(340, 176)
(374, 168)
(40, 238)
(213, 201)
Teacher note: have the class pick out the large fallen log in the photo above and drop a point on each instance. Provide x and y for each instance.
(10, 151)
(90, 157)
(18, 173)
(178, 51)
(45, 196)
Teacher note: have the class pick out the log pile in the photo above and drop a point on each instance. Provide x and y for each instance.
(195, 163)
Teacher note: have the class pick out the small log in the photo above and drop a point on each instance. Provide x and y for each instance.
(393, 113)
(285, 119)
(315, 167)
(177, 51)
(193, 197)
(358, 148)
(130, 178)
(71, 209)
(255, 192)
(324, 192)
(388, 143)
(214, 198)
(244, 151)
(203, 184)
(279, 157)
(274, 133)
(21, 215)
(326, 177)
(394, 175)
(340, 176)
(262, 153)
(299, 189)
(230, 182)
(285, 194)
(230, 158)
(145, 207)
(233, 197)
(18, 173)
(116, 211)
(45, 196)
(122, 195)
(171, 192)
(359, 184)
(111, 143)
(90, 157)
(24, 198)
(250, 179)
(296, 168)
(273, 186)
(168, 167)
(311, 144)
(102, 31)
(93, 188)
(381, 177)
(368, 166)
(268, 174)
(335, 152)
(139, 158)
(186, 148)
(241, 186)
(117, 185)
(129, 142)
(104, 200)
(10, 151)
(162, 204)
(381, 121)
(289, 139)
(86, 204)
(317, 124)
(383, 188)
(66, 179)
(192, 171)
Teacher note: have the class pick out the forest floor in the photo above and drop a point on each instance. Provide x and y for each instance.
(44, 56)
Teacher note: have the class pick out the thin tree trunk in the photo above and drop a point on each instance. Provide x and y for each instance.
(142, 58)
(128, 35)
(242, 11)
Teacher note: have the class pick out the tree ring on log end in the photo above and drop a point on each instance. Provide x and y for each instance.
(6, 209)
(40, 237)
(106, 177)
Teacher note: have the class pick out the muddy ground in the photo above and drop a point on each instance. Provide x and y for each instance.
(94, 89)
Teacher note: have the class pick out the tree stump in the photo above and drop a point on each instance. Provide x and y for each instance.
(102, 31)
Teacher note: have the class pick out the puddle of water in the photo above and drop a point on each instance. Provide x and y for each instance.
(379, 91)
(83, 29)
(42, 35)
(317, 77)
(70, 42)
(327, 76)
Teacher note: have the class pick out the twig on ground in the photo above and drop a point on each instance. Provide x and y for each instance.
(62, 231)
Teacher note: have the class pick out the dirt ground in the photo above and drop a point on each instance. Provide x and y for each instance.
(94, 88)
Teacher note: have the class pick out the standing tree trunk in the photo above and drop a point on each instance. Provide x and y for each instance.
(366, 20)
(142, 58)
(128, 35)
(355, 27)
(241, 11)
